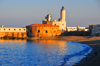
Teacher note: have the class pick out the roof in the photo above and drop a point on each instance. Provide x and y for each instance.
(43, 25)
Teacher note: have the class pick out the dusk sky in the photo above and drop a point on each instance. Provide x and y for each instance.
(19, 13)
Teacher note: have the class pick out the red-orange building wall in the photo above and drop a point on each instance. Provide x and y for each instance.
(42, 30)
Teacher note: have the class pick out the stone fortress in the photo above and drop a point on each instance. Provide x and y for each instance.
(43, 30)
(48, 28)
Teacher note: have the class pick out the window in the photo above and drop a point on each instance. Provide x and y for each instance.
(30, 31)
(38, 31)
(24, 29)
(14, 29)
(46, 31)
(62, 24)
(19, 29)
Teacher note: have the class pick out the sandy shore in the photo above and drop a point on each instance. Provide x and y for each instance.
(93, 58)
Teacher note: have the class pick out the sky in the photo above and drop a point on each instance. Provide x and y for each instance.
(20, 13)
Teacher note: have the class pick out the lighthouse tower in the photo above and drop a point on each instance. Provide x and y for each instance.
(63, 14)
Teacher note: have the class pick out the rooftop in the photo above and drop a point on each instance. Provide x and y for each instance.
(45, 25)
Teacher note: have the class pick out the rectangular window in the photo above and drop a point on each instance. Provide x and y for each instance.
(19, 29)
(14, 29)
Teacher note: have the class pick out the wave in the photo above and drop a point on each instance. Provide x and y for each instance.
(71, 59)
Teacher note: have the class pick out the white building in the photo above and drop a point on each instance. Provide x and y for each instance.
(61, 22)
(10, 29)
(94, 29)
(10, 32)
(76, 29)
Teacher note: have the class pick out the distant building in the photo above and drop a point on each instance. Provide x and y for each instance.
(76, 29)
(94, 29)
(12, 32)
(42, 30)
(61, 22)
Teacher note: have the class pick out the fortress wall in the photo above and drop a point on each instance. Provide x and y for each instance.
(43, 31)
(13, 34)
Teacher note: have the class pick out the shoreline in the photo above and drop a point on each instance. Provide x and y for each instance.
(92, 58)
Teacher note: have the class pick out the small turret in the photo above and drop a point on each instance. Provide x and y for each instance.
(78, 28)
(2, 26)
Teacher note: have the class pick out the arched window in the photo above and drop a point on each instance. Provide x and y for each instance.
(38, 31)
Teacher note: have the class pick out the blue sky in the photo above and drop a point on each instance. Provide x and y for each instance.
(19, 13)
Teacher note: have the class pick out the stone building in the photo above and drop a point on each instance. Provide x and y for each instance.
(9, 32)
(61, 22)
(42, 30)
(94, 29)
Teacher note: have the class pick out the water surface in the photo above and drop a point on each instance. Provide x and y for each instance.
(41, 52)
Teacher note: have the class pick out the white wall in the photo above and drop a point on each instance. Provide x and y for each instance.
(10, 29)
(75, 29)
(62, 25)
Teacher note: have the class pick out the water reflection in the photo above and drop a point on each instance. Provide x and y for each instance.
(56, 44)
(36, 52)
(20, 41)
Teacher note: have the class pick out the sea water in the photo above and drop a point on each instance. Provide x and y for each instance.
(41, 52)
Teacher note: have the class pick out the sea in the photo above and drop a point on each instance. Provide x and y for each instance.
(41, 52)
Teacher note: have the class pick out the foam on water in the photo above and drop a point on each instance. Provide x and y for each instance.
(76, 57)
(41, 53)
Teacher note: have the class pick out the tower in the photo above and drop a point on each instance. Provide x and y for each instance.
(63, 14)
(60, 22)
(48, 17)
